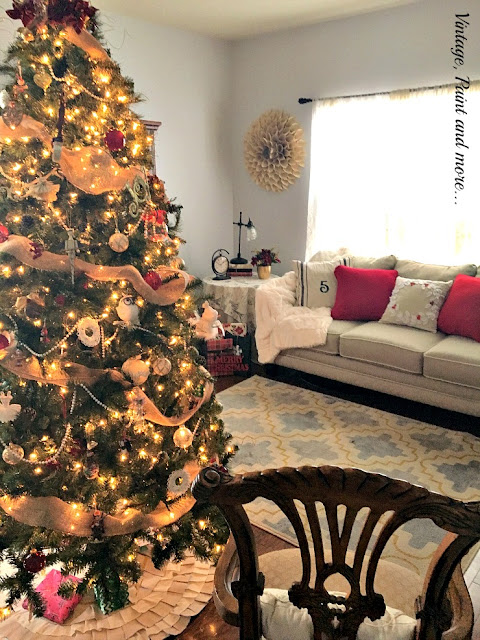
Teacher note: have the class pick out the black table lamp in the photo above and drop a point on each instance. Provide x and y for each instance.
(251, 235)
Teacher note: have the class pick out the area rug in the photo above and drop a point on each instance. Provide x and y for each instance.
(276, 424)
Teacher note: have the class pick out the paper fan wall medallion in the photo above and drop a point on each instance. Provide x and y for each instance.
(274, 150)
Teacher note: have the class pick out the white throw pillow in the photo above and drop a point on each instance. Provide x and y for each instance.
(416, 303)
(316, 285)
(281, 620)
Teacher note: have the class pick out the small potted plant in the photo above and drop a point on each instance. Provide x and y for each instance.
(263, 260)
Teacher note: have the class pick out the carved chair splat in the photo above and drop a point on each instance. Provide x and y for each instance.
(390, 504)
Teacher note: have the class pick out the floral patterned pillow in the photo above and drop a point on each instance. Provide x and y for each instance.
(416, 303)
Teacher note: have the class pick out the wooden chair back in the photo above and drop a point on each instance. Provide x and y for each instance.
(390, 503)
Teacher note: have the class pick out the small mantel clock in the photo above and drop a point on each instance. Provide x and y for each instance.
(220, 264)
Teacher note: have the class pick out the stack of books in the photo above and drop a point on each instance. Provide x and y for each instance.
(240, 270)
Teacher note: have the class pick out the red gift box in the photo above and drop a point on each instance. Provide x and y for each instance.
(219, 344)
(57, 609)
(226, 363)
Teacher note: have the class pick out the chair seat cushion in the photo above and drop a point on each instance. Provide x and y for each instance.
(281, 620)
(283, 568)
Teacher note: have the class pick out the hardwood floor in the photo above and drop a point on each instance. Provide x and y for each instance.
(209, 626)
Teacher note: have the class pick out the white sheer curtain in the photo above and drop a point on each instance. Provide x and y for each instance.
(382, 177)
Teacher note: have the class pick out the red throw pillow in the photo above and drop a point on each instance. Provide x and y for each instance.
(362, 294)
(460, 313)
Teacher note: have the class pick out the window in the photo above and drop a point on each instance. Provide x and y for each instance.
(387, 174)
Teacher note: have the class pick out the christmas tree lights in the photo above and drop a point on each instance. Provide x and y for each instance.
(106, 411)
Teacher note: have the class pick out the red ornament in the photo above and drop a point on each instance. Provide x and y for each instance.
(4, 233)
(115, 140)
(153, 279)
(60, 300)
(35, 562)
(4, 343)
(76, 448)
(53, 465)
(37, 249)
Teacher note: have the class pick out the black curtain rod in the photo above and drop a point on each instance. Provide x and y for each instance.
(383, 93)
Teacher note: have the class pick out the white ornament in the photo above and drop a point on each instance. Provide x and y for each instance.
(57, 148)
(162, 366)
(88, 331)
(178, 482)
(42, 189)
(136, 369)
(207, 326)
(8, 412)
(128, 310)
(183, 437)
(13, 454)
(71, 247)
(4, 98)
(118, 242)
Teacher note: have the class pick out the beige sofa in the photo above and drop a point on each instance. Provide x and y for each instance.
(433, 368)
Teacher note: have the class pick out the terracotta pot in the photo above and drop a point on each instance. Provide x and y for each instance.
(264, 272)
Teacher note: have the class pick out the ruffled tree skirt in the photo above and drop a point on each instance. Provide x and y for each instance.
(162, 603)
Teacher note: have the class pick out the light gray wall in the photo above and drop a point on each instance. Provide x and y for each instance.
(403, 47)
(186, 81)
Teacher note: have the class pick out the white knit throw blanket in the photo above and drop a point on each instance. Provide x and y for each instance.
(281, 324)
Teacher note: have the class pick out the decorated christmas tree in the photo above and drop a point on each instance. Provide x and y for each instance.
(106, 413)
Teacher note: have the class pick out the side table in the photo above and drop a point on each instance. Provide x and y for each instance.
(234, 299)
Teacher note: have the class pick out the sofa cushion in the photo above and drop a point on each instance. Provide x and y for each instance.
(392, 346)
(335, 330)
(315, 283)
(460, 315)
(385, 262)
(455, 359)
(412, 269)
(416, 303)
(360, 262)
(362, 294)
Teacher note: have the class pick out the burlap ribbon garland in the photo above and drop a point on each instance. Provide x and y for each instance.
(84, 40)
(67, 373)
(28, 128)
(53, 513)
(20, 247)
(89, 168)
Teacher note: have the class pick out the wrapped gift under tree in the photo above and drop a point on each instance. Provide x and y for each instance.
(230, 354)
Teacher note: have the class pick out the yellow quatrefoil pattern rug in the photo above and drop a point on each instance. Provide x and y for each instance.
(277, 425)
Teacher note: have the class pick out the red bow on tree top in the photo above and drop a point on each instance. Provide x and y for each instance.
(73, 13)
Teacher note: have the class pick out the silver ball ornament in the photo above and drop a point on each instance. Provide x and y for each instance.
(162, 366)
(13, 454)
(183, 437)
(12, 114)
(118, 242)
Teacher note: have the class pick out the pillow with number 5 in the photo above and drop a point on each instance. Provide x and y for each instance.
(316, 284)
